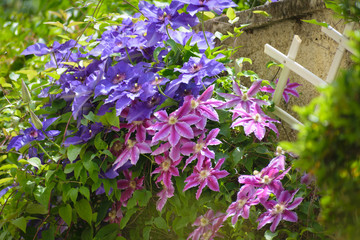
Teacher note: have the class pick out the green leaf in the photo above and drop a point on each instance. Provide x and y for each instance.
(262, 13)
(85, 192)
(42, 194)
(314, 21)
(73, 194)
(168, 102)
(248, 163)
(73, 151)
(110, 232)
(57, 24)
(160, 223)
(208, 15)
(103, 210)
(20, 223)
(84, 210)
(87, 234)
(127, 217)
(34, 208)
(230, 13)
(99, 143)
(270, 235)
(157, 51)
(243, 59)
(66, 214)
(261, 149)
(5, 180)
(110, 119)
(237, 155)
(31, 74)
(36, 162)
(146, 233)
(3, 83)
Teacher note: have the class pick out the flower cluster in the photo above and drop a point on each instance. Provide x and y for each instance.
(139, 100)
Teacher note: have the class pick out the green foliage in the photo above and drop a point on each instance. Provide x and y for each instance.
(329, 148)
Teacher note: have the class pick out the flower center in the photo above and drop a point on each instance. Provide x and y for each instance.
(157, 81)
(136, 123)
(194, 104)
(204, 174)
(198, 147)
(266, 179)
(257, 118)
(206, 235)
(130, 143)
(34, 134)
(196, 68)
(119, 44)
(278, 208)
(153, 101)
(279, 151)
(112, 214)
(204, 221)
(172, 120)
(136, 88)
(119, 78)
(245, 97)
(132, 184)
(166, 165)
(241, 203)
(117, 146)
(256, 172)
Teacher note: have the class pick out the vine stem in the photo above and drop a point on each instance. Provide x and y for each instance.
(42, 222)
(127, 53)
(46, 153)
(203, 28)
(2, 209)
(161, 91)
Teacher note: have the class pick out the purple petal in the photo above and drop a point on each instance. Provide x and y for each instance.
(275, 223)
(254, 88)
(213, 183)
(174, 137)
(162, 134)
(290, 216)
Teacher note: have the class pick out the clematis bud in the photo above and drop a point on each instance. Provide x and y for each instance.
(36, 121)
(26, 96)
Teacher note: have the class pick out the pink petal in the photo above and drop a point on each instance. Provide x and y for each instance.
(162, 134)
(259, 131)
(161, 115)
(201, 187)
(209, 113)
(188, 148)
(134, 155)
(275, 223)
(236, 89)
(184, 130)
(295, 203)
(190, 119)
(174, 137)
(175, 152)
(190, 184)
(207, 93)
(212, 183)
(290, 216)
(254, 88)
(144, 147)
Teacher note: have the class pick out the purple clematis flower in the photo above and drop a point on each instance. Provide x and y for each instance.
(115, 215)
(246, 197)
(200, 150)
(167, 169)
(132, 151)
(33, 134)
(243, 100)
(207, 5)
(208, 225)
(129, 185)
(290, 89)
(276, 211)
(196, 69)
(174, 126)
(206, 176)
(254, 121)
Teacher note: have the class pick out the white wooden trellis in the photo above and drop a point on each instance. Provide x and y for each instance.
(291, 65)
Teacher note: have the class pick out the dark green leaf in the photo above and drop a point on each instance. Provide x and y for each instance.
(99, 143)
(160, 223)
(110, 232)
(84, 210)
(73, 151)
(66, 214)
(34, 208)
(20, 223)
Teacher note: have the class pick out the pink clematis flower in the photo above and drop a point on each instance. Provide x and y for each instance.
(200, 149)
(290, 89)
(268, 180)
(129, 185)
(254, 121)
(276, 211)
(208, 225)
(176, 125)
(164, 195)
(139, 127)
(167, 169)
(203, 107)
(246, 197)
(206, 176)
(115, 215)
(243, 100)
(132, 152)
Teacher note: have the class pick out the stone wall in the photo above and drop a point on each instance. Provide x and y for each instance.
(316, 50)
